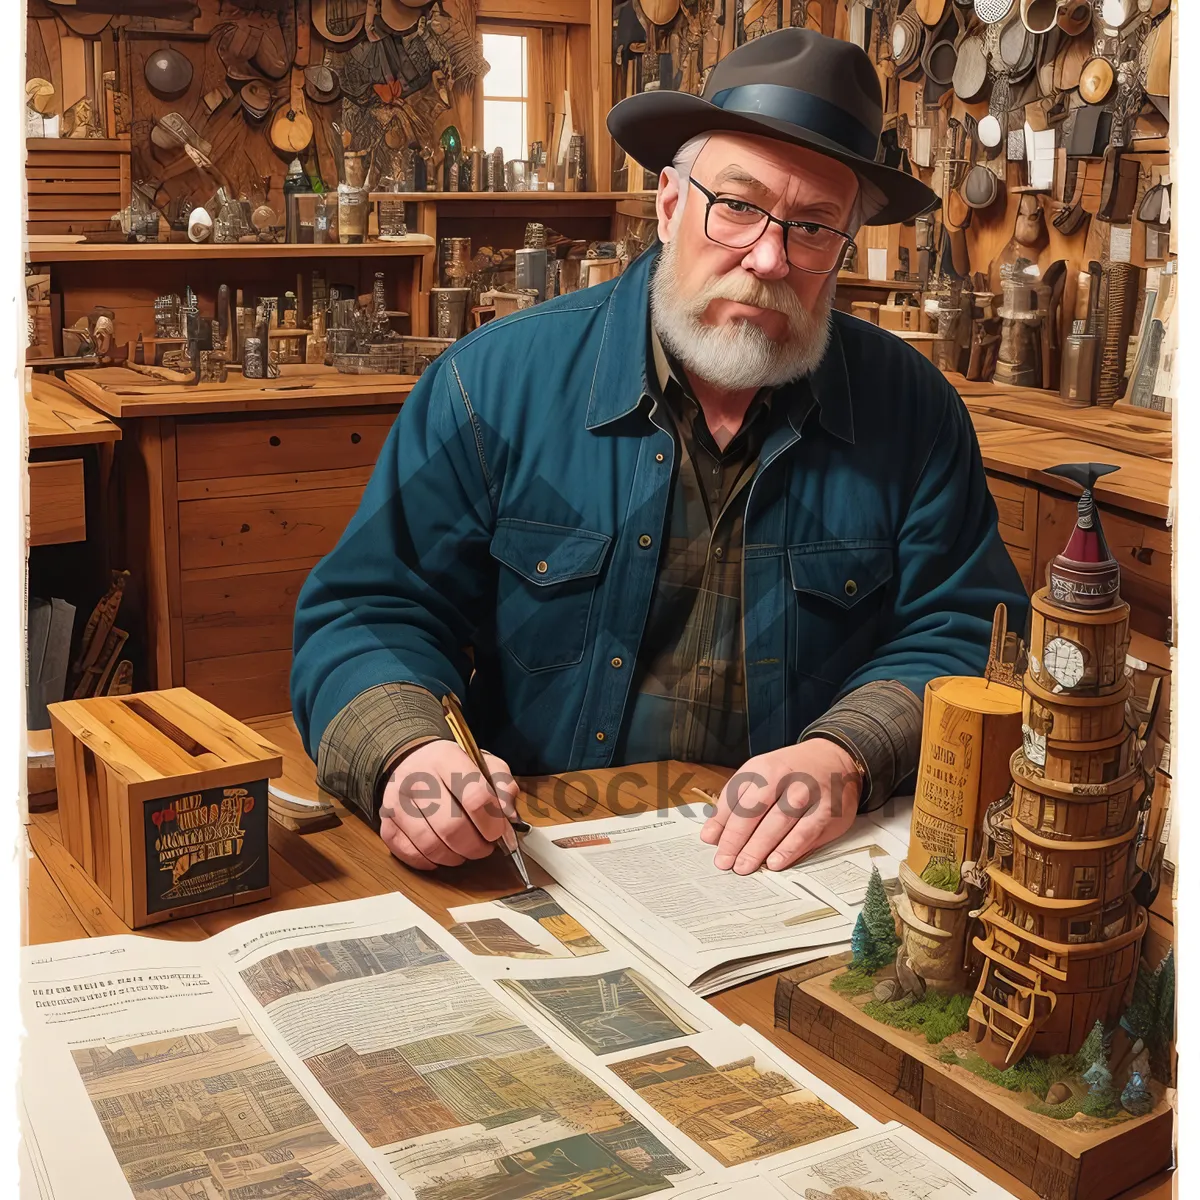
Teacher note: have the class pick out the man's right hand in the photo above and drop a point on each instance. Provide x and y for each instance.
(438, 811)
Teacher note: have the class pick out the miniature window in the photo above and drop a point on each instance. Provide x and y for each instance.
(1116, 810)
(1079, 931)
(1083, 884)
(1049, 812)
(506, 94)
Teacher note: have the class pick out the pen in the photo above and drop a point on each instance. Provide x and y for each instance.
(467, 744)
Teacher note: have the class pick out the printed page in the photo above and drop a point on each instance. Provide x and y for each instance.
(651, 875)
(450, 1089)
(743, 1106)
(143, 1076)
(895, 1164)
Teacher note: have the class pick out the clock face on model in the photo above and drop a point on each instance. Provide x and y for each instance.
(1063, 661)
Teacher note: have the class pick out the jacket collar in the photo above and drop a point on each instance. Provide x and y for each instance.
(619, 380)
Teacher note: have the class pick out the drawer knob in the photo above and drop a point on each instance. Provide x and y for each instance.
(274, 439)
(356, 438)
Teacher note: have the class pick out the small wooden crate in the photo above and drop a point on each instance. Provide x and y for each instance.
(75, 185)
(163, 802)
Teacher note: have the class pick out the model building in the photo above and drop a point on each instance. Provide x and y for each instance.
(1061, 930)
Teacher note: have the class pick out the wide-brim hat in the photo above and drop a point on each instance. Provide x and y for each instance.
(794, 85)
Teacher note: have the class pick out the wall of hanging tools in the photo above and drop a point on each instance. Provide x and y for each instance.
(1044, 127)
(219, 97)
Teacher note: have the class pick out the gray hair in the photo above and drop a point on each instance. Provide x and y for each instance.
(869, 200)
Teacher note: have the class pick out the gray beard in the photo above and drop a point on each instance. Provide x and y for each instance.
(739, 355)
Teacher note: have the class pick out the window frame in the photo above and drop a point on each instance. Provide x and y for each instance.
(534, 74)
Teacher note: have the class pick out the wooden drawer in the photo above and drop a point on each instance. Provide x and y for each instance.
(56, 502)
(1022, 557)
(240, 614)
(1017, 506)
(235, 530)
(279, 444)
(1141, 546)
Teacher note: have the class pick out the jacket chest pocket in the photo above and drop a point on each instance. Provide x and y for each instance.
(548, 581)
(841, 592)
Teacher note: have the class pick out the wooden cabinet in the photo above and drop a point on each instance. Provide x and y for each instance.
(227, 510)
(1017, 506)
(1036, 522)
(56, 502)
(249, 505)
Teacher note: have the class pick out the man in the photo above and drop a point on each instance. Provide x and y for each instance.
(689, 514)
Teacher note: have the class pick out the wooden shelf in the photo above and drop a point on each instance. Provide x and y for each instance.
(107, 145)
(513, 197)
(415, 245)
(883, 285)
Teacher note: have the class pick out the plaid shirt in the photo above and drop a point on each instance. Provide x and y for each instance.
(690, 701)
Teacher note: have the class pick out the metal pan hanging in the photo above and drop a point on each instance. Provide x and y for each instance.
(941, 52)
(991, 11)
(980, 188)
(1016, 50)
(970, 77)
(908, 37)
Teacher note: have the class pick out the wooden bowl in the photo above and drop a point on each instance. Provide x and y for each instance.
(1096, 80)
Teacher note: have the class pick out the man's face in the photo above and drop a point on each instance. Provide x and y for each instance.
(789, 182)
(747, 317)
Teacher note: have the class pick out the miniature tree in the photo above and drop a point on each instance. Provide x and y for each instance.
(862, 949)
(879, 922)
(1138, 1018)
(1092, 1051)
(1162, 1031)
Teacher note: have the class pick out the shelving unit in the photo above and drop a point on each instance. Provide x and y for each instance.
(414, 245)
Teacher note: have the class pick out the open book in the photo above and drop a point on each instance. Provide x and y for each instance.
(359, 1050)
(650, 876)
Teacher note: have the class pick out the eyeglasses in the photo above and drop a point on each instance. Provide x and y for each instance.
(738, 224)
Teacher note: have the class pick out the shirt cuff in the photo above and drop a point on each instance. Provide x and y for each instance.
(370, 735)
(880, 725)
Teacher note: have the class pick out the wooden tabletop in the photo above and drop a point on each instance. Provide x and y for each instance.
(349, 861)
(122, 392)
(1022, 431)
(59, 418)
(1145, 434)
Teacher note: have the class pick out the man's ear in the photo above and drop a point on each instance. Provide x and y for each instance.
(666, 201)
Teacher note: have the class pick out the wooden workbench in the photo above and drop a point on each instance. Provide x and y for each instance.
(349, 861)
(229, 494)
(1022, 431)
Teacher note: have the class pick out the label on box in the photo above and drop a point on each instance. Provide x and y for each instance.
(205, 844)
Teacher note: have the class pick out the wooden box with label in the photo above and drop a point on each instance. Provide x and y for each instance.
(162, 799)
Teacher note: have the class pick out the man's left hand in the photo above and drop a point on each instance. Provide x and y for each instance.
(783, 805)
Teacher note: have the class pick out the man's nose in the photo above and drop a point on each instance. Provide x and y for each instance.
(767, 258)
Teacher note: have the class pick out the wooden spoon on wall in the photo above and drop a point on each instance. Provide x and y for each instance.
(292, 127)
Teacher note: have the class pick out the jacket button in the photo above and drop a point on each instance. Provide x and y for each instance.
(851, 587)
(644, 541)
(618, 662)
(660, 458)
(599, 735)
(542, 567)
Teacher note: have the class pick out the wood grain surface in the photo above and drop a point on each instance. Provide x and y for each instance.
(349, 861)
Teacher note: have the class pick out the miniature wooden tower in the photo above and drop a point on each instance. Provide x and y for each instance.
(1061, 931)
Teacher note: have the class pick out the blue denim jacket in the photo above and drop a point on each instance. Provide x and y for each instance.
(520, 501)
